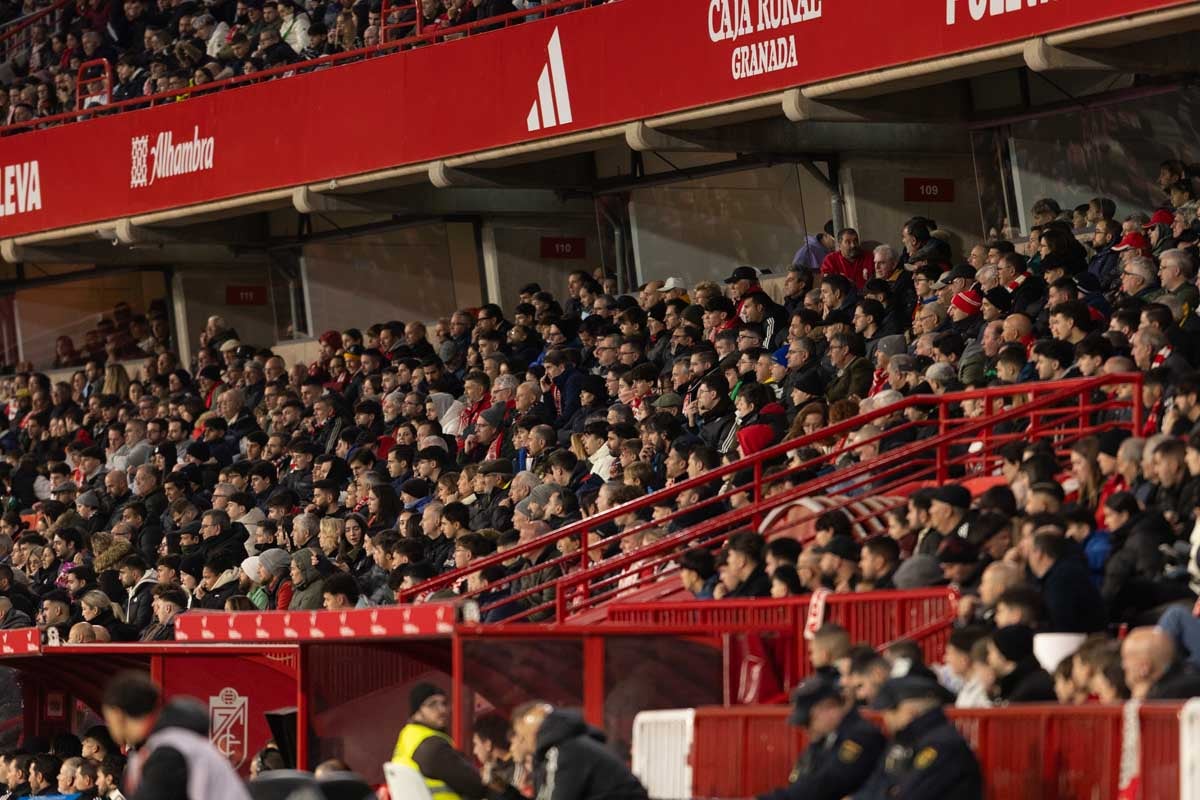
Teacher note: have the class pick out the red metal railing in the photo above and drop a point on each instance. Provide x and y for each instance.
(1034, 752)
(384, 48)
(924, 616)
(17, 34)
(98, 70)
(959, 446)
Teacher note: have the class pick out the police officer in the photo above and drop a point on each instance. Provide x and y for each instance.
(843, 747)
(928, 758)
(424, 746)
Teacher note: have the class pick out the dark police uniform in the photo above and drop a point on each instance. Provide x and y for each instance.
(835, 765)
(928, 758)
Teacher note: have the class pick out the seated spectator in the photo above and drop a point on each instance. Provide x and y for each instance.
(1020, 679)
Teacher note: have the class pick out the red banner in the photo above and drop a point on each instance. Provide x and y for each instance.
(238, 690)
(394, 622)
(577, 71)
(20, 641)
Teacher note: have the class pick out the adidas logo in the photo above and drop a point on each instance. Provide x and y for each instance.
(553, 105)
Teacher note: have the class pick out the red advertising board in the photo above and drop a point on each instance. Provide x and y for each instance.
(384, 622)
(928, 190)
(623, 61)
(238, 690)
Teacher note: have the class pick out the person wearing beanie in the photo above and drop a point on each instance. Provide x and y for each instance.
(273, 576)
(424, 746)
(996, 304)
(1021, 677)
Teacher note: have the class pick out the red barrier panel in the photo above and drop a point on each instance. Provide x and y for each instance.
(878, 618)
(590, 69)
(1027, 752)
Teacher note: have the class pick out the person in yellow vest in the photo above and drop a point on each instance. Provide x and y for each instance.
(424, 746)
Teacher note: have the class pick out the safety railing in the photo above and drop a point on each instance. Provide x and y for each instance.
(923, 616)
(941, 445)
(408, 41)
(93, 84)
(1035, 752)
(17, 34)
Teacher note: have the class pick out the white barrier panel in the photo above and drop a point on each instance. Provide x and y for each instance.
(1189, 749)
(662, 752)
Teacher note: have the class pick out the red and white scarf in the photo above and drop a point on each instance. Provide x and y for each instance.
(1161, 356)
(1018, 282)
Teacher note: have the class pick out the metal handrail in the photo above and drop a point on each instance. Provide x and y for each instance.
(1051, 393)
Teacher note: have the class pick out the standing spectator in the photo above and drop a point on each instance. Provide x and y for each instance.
(168, 758)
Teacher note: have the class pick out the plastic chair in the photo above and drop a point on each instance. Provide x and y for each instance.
(344, 786)
(285, 784)
(405, 783)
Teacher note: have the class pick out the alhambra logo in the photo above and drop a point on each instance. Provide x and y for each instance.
(553, 104)
(166, 159)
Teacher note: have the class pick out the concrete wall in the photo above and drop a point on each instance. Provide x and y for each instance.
(513, 256)
(419, 272)
(875, 204)
(202, 291)
(701, 229)
(71, 309)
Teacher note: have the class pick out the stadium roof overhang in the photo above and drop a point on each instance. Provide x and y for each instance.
(922, 106)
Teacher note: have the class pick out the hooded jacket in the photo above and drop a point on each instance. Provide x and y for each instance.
(571, 762)
(225, 587)
(308, 595)
(139, 609)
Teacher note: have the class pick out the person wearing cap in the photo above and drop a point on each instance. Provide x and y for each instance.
(961, 566)
(424, 746)
(843, 748)
(928, 758)
(490, 439)
(1020, 678)
(949, 512)
(839, 563)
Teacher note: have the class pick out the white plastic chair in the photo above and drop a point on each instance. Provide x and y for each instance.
(405, 783)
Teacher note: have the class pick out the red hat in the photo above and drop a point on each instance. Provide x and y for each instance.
(332, 338)
(968, 302)
(1133, 239)
(754, 438)
(1161, 217)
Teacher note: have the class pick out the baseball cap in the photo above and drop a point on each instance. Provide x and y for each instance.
(842, 547)
(668, 400)
(1133, 239)
(1159, 217)
(953, 495)
(807, 695)
(911, 687)
(743, 274)
(672, 283)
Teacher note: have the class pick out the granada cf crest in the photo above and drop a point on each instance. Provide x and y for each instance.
(228, 725)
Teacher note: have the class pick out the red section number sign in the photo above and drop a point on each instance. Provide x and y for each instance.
(245, 295)
(564, 247)
(928, 190)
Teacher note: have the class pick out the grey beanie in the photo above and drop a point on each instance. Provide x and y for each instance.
(275, 561)
(918, 572)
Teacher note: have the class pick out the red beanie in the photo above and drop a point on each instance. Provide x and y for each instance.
(968, 302)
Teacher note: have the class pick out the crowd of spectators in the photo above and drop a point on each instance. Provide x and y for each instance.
(403, 452)
(178, 45)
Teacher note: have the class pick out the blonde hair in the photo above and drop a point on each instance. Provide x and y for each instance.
(116, 381)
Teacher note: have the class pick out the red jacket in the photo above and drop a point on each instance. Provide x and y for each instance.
(858, 271)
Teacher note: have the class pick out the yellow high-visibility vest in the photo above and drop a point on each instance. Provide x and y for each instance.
(411, 737)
